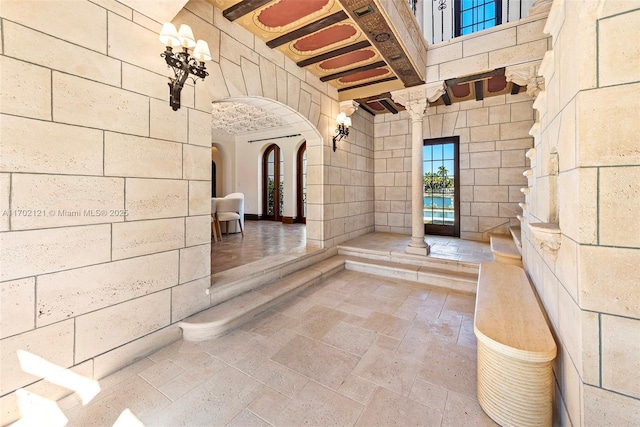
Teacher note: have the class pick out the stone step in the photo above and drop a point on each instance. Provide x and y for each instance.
(504, 250)
(426, 275)
(516, 234)
(237, 281)
(238, 310)
(409, 259)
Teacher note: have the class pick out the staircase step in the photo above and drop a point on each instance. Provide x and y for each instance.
(234, 312)
(237, 281)
(516, 234)
(409, 259)
(504, 250)
(444, 278)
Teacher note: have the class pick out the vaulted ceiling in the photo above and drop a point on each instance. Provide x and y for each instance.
(350, 45)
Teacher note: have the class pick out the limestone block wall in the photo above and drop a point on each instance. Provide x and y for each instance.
(104, 190)
(589, 119)
(510, 44)
(348, 195)
(494, 137)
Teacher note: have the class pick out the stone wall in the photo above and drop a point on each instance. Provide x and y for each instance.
(87, 135)
(494, 136)
(589, 120)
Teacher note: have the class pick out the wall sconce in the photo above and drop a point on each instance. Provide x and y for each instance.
(182, 62)
(342, 130)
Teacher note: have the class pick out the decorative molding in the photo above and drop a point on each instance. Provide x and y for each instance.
(527, 75)
(237, 117)
(531, 153)
(540, 6)
(546, 236)
(528, 172)
(431, 92)
(525, 190)
(523, 206)
(349, 107)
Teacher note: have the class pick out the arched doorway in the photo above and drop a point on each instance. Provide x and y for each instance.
(301, 187)
(272, 183)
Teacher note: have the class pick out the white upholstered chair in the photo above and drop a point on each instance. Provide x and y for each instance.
(228, 210)
(232, 227)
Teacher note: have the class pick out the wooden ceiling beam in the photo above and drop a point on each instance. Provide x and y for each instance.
(244, 7)
(388, 79)
(353, 71)
(334, 53)
(308, 29)
(388, 106)
(479, 89)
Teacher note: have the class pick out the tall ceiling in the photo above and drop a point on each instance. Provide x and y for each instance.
(350, 45)
(346, 43)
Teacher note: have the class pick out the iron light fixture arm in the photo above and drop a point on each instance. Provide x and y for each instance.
(182, 65)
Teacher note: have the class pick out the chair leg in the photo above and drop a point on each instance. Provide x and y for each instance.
(214, 231)
(241, 230)
(217, 227)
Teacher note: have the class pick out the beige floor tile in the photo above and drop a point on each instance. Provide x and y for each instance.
(388, 325)
(460, 303)
(161, 373)
(214, 402)
(350, 338)
(268, 324)
(243, 350)
(388, 369)
(134, 394)
(429, 394)
(357, 389)
(319, 406)
(280, 378)
(325, 364)
(463, 411)
(181, 385)
(318, 321)
(387, 343)
(354, 309)
(452, 367)
(200, 364)
(246, 418)
(387, 408)
(268, 404)
(426, 328)
(393, 291)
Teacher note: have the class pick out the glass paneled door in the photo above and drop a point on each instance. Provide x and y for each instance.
(272, 184)
(441, 186)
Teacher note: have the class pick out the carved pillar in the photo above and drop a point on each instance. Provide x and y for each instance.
(415, 100)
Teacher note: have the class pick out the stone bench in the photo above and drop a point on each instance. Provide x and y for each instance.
(515, 349)
(504, 250)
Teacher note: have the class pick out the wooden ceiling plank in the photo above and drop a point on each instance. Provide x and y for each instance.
(243, 8)
(388, 79)
(353, 71)
(308, 29)
(334, 53)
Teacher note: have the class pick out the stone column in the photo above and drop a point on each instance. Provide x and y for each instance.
(415, 100)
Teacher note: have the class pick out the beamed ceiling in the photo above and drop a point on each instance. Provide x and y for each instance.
(350, 45)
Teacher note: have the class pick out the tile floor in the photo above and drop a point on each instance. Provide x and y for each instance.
(268, 238)
(354, 350)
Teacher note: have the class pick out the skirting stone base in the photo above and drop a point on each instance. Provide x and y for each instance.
(418, 251)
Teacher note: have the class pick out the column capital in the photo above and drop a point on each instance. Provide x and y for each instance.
(526, 75)
(415, 99)
(348, 107)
